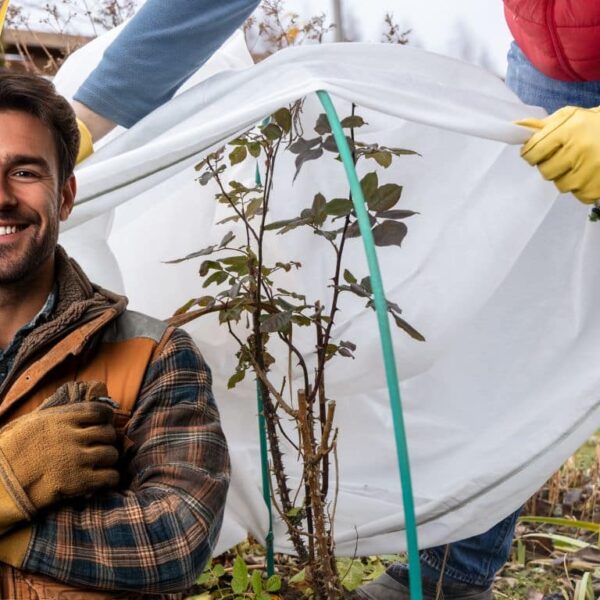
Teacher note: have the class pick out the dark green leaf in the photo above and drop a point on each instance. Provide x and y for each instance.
(301, 320)
(283, 118)
(322, 126)
(237, 155)
(396, 214)
(348, 277)
(389, 233)
(279, 224)
(217, 277)
(365, 284)
(339, 207)
(276, 322)
(229, 236)
(272, 132)
(369, 184)
(183, 309)
(353, 121)
(386, 197)
(402, 151)
(202, 252)
(301, 145)
(305, 157)
(236, 378)
(205, 300)
(254, 148)
(328, 235)
(253, 207)
(359, 290)
(408, 328)
(207, 265)
(330, 144)
(382, 157)
(318, 204)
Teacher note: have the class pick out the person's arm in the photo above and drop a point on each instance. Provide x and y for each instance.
(156, 52)
(156, 534)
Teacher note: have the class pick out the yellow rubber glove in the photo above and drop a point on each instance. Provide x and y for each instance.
(566, 150)
(86, 145)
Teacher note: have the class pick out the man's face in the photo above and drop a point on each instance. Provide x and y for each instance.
(31, 201)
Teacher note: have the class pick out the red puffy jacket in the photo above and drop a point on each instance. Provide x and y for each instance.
(560, 37)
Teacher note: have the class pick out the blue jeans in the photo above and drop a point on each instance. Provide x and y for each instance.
(476, 560)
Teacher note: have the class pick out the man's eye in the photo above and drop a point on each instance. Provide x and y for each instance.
(24, 174)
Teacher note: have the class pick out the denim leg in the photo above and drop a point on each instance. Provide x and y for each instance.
(533, 87)
(474, 560)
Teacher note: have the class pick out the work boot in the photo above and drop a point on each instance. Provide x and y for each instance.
(387, 587)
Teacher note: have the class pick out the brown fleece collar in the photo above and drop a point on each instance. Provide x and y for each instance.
(77, 298)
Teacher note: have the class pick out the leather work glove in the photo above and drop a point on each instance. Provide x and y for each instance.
(86, 144)
(566, 150)
(56, 452)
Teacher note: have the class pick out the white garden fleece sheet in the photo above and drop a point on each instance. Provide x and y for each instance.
(498, 272)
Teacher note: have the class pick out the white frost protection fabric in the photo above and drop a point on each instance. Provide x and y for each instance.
(499, 274)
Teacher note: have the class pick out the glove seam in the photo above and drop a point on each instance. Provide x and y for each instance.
(15, 489)
(549, 132)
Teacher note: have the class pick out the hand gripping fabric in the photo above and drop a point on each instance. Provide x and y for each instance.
(57, 452)
(566, 150)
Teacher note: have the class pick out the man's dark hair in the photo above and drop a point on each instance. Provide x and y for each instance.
(38, 97)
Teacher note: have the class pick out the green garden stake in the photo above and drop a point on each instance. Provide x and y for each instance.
(264, 457)
(266, 481)
(416, 592)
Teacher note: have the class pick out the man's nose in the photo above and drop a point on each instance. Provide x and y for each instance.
(7, 195)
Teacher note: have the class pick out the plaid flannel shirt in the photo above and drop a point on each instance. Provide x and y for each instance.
(156, 535)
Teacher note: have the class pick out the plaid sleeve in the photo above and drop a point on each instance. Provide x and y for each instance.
(156, 535)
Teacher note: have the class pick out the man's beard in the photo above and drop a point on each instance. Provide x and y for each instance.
(16, 266)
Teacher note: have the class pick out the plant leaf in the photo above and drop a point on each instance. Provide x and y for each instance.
(236, 378)
(226, 239)
(273, 584)
(396, 214)
(272, 132)
(385, 197)
(305, 157)
(382, 158)
(240, 580)
(353, 121)
(276, 322)
(369, 184)
(207, 265)
(238, 154)
(254, 148)
(348, 277)
(202, 252)
(339, 207)
(283, 118)
(322, 126)
(389, 233)
(217, 277)
(408, 328)
(257, 585)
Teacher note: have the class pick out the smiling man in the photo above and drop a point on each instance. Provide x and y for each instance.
(113, 465)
